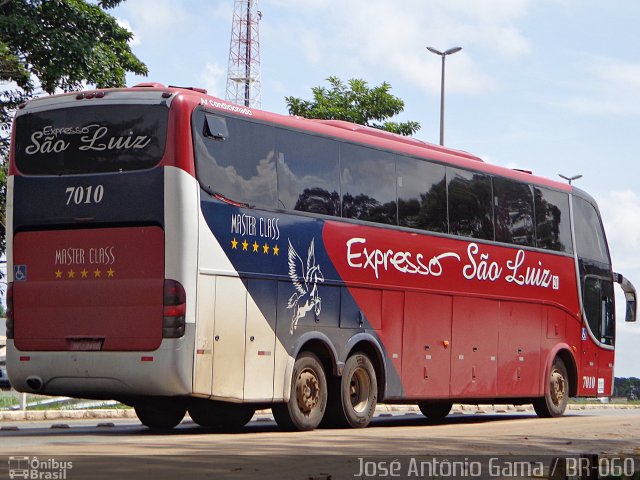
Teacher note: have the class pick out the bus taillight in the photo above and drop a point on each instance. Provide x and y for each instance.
(9, 300)
(175, 299)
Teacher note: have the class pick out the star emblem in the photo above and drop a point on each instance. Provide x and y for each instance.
(96, 273)
(110, 273)
(276, 250)
(265, 249)
(245, 245)
(84, 273)
(58, 274)
(255, 246)
(71, 274)
(234, 244)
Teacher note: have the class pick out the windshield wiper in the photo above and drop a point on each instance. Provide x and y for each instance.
(222, 198)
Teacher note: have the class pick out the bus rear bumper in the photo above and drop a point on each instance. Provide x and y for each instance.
(166, 371)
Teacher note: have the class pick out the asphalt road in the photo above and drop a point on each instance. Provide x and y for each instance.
(122, 448)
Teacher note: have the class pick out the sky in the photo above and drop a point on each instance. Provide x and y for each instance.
(551, 86)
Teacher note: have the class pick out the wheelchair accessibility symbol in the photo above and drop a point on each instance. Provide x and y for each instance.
(20, 273)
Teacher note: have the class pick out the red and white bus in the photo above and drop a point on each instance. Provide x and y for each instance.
(179, 253)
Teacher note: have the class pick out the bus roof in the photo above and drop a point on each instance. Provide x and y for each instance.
(344, 130)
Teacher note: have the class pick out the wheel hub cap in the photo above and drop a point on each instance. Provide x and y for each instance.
(307, 391)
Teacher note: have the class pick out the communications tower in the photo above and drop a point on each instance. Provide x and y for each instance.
(243, 75)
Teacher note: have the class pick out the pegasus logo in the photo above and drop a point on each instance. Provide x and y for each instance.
(305, 280)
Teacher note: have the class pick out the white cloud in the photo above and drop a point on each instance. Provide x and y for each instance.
(213, 77)
(155, 19)
(136, 39)
(357, 35)
(609, 87)
(620, 213)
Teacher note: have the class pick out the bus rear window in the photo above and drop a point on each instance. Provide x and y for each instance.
(90, 139)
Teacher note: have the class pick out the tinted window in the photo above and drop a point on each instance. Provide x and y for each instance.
(91, 139)
(422, 195)
(553, 229)
(598, 307)
(368, 182)
(590, 239)
(514, 212)
(470, 205)
(308, 173)
(236, 160)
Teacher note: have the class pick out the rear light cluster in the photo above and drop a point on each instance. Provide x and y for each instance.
(9, 299)
(175, 299)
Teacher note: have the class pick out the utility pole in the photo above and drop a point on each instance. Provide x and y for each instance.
(243, 74)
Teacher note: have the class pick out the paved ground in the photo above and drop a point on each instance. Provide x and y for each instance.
(38, 415)
(111, 444)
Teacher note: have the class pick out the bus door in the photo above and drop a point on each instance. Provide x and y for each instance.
(596, 283)
(598, 302)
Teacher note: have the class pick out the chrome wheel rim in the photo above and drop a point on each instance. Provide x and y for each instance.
(360, 390)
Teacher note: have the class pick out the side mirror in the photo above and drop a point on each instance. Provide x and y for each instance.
(629, 295)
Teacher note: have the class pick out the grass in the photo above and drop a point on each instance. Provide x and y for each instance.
(9, 399)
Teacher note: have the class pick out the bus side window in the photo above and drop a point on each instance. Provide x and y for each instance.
(236, 158)
(422, 195)
(308, 173)
(368, 182)
(470, 204)
(553, 230)
(514, 212)
(598, 307)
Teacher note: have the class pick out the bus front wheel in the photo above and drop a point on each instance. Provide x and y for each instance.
(435, 411)
(160, 413)
(308, 396)
(556, 395)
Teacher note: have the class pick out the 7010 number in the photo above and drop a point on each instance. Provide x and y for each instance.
(88, 195)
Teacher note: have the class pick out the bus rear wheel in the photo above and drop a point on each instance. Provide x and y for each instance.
(161, 413)
(556, 395)
(353, 398)
(308, 396)
(435, 411)
(220, 415)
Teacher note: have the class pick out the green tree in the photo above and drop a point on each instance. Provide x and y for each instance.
(627, 388)
(354, 102)
(56, 45)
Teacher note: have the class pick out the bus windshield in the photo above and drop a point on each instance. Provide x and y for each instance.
(92, 139)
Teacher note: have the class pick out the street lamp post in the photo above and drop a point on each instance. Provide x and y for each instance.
(570, 179)
(451, 51)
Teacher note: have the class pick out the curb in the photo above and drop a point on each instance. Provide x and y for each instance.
(40, 415)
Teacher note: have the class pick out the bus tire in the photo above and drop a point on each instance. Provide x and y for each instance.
(435, 411)
(556, 395)
(308, 396)
(353, 398)
(220, 415)
(161, 413)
